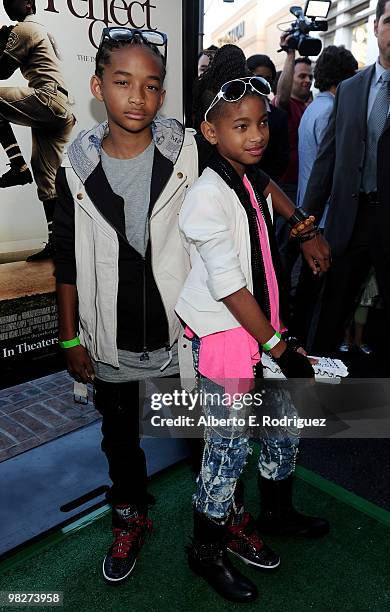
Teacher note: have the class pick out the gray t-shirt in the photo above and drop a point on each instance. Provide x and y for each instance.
(131, 179)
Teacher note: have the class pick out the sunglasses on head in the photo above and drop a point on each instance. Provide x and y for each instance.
(149, 37)
(234, 90)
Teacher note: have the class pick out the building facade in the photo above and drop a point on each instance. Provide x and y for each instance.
(256, 28)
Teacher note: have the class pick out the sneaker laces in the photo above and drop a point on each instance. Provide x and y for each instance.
(246, 529)
(126, 538)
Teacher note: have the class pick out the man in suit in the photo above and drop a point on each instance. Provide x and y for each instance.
(353, 169)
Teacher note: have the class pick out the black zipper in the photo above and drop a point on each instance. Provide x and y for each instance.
(145, 352)
(266, 292)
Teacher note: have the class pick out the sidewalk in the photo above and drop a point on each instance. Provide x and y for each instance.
(38, 411)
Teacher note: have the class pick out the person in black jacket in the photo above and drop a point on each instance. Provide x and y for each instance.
(276, 157)
(352, 172)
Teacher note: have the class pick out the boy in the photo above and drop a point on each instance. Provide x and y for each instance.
(43, 106)
(120, 190)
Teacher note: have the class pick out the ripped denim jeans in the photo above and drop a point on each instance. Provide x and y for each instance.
(226, 451)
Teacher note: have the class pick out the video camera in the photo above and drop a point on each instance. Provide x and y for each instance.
(305, 23)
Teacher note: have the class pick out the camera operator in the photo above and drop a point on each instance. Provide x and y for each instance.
(293, 95)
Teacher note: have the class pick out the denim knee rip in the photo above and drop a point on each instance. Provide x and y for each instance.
(224, 458)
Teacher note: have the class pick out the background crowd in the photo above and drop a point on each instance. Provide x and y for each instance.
(329, 138)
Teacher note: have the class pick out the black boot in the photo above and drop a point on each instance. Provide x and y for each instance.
(278, 515)
(16, 176)
(46, 253)
(207, 557)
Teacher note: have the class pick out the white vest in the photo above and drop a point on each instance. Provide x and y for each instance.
(97, 250)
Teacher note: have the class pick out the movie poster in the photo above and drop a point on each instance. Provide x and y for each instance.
(28, 313)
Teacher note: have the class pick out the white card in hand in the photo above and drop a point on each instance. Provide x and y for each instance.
(326, 370)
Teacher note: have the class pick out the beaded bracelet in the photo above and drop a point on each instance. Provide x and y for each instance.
(302, 225)
(300, 221)
(298, 216)
(309, 236)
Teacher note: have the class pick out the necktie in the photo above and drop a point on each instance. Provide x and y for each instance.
(376, 123)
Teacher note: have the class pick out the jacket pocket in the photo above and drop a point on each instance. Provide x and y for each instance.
(200, 300)
(50, 99)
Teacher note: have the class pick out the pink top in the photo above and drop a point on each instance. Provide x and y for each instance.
(228, 357)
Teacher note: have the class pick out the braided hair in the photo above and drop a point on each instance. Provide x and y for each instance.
(229, 63)
(103, 54)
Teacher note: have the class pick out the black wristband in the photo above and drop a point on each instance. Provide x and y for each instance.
(298, 216)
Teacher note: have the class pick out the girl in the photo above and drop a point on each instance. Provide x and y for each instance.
(230, 302)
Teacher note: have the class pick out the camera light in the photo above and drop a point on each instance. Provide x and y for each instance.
(317, 8)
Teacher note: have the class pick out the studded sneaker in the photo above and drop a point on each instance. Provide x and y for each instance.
(245, 542)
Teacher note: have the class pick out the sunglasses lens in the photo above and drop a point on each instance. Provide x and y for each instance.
(120, 33)
(233, 91)
(260, 85)
(154, 38)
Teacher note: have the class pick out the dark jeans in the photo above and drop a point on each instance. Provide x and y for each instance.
(289, 250)
(306, 306)
(118, 405)
(346, 276)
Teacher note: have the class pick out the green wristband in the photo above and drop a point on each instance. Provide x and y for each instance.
(267, 346)
(69, 343)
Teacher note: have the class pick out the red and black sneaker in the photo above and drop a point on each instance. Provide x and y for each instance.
(129, 529)
(245, 542)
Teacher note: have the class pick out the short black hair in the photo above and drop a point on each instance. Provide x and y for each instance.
(303, 60)
(335, 64)
(108, 46)
(380, 8)
(210, 52)
(263, 61)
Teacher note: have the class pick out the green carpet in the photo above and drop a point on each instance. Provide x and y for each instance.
(347, 571)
